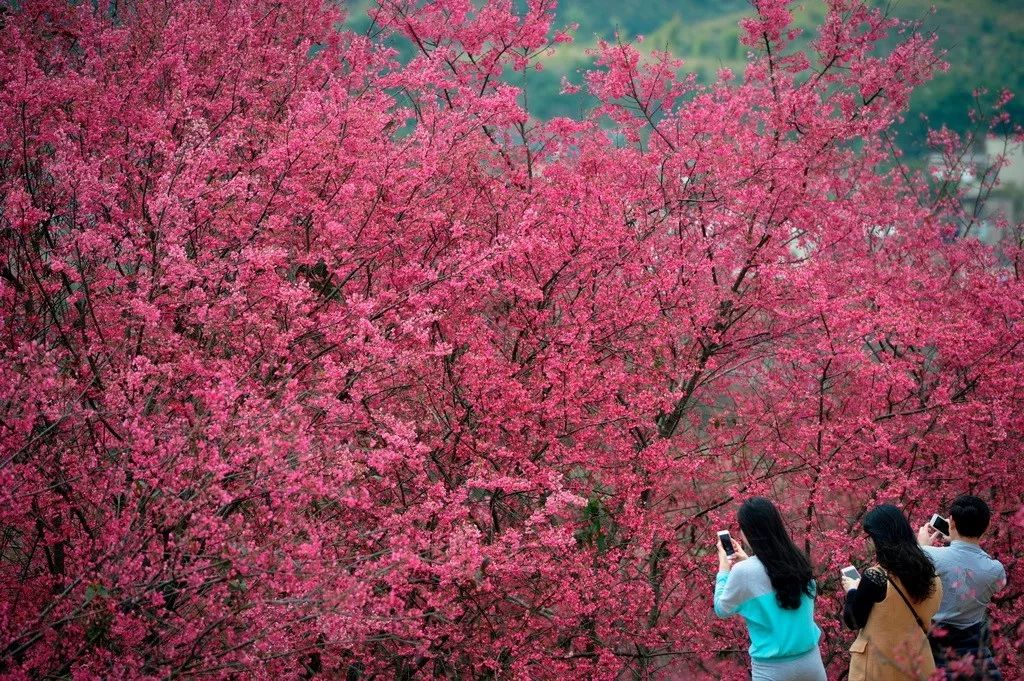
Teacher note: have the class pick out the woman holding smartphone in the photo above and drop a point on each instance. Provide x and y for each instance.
(773, 590)
(892, 604)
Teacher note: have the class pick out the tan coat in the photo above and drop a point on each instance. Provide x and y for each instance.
(891, 646)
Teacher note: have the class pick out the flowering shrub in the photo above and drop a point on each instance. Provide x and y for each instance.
(313, 362)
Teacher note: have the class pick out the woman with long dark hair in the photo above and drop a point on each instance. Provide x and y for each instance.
(892, 604)
(773, 590)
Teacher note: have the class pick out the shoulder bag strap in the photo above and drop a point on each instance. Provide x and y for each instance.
(909, 606)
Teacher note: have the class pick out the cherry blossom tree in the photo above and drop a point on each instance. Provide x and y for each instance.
(319, 361)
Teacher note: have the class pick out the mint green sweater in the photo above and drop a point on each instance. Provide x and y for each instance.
(775, 633)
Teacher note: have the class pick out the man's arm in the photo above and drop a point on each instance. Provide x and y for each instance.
(928, 535)
(1000, 582)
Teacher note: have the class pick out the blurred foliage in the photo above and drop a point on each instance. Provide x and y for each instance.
(983, 42)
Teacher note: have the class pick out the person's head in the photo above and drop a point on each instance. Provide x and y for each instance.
(898, 551)
(787, 566)
(970, 516)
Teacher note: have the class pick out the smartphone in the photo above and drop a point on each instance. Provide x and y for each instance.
(726, 540)
(940, 524)
(851, 572)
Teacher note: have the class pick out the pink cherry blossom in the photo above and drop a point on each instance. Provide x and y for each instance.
(316, 361)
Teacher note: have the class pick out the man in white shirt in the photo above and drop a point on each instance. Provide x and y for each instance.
(970, 577)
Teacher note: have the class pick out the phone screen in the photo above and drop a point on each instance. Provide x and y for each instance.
(726, 542)
(851, 572)
(940, 524)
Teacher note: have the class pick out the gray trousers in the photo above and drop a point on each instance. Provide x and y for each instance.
(804, 668)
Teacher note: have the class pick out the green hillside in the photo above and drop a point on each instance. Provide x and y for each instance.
(984, 41)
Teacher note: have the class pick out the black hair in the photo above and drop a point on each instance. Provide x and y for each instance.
(971, 515)
(898, 550)
(788, 568)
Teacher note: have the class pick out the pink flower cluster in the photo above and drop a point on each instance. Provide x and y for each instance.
(314, 362)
